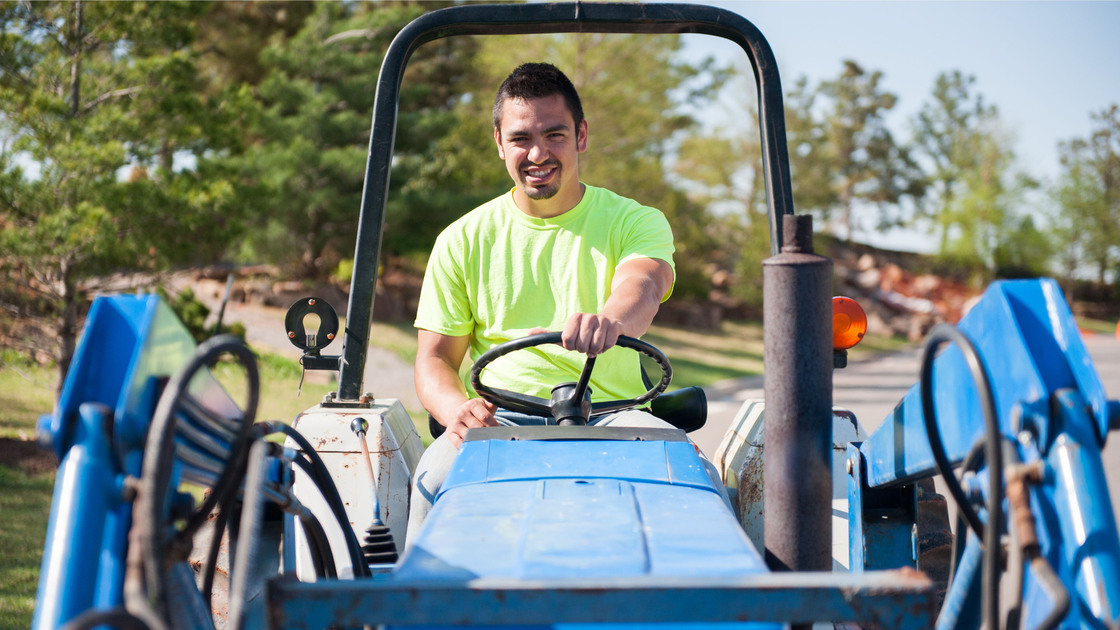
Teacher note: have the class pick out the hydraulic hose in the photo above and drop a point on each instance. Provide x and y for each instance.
(212, 552)
(159, 455)
(320, 547)
(116, 617)
(241, 570)
(317, 471)
(990, 534)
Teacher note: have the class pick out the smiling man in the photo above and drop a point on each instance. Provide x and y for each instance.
(552, 254)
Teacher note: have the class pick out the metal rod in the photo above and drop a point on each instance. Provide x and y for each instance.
(360, 426)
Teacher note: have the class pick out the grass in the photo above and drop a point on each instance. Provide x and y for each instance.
(25, 502)
(26, 392)
(283, 397)
(1098, 327)
(735, 351)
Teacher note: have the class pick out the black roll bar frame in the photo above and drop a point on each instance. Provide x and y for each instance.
(522, 19)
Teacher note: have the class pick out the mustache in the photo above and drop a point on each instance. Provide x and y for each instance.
(548, 164)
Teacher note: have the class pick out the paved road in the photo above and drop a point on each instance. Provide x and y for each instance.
(872, 388)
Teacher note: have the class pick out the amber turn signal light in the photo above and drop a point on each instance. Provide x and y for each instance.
(849, 323)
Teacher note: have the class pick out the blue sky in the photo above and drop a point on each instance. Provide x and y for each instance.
(1045, 65)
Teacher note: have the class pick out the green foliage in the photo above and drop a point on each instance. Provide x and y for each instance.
(309, 144)
(193, 314)
(1024, 252)
(98, 101)
(865, 163)
(1088, 197)
(974, 191)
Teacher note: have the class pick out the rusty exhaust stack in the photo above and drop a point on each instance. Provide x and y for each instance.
(797, 355)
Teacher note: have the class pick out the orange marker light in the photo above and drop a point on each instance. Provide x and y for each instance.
(849, 323)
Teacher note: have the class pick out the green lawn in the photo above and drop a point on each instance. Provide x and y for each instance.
(24, 504)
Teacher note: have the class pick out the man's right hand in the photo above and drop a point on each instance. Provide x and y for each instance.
(472, 414)
(438, 358)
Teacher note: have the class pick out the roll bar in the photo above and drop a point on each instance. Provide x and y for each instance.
(521, 19)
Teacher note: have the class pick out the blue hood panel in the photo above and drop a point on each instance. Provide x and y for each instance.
(533, 510)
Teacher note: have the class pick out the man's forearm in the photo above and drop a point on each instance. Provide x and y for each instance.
(636, 294)
(633, 304)
(439, 388)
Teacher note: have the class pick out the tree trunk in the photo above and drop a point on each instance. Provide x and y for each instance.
(67, 323)
(76, 61)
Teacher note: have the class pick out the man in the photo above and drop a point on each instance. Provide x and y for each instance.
(553, 254)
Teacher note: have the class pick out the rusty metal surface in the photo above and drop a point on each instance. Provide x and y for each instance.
(889, 599)
(394, 446)
(797, 352)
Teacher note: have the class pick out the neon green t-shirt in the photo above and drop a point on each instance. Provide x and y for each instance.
(497, 273)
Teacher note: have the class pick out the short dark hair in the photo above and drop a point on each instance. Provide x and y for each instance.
(537, 80)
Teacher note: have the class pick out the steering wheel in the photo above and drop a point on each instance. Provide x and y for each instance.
(571, 402)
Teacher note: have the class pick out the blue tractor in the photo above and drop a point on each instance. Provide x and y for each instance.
(571, 524)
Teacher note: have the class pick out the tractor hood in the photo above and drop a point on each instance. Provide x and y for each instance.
(562, 509)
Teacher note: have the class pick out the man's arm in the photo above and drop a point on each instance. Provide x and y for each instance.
(440, 389)
(636, 293)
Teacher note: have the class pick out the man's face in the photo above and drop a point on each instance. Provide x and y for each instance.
(540, 143)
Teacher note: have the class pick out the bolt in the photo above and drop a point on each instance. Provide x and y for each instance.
(311, 302)
(291, 334)
(849, 466)
(329, 397)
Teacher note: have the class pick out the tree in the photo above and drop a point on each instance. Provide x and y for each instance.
(946, 133)
(1025, 251)
(723, 172)
(973, 185)
(810, 156)
(867, 165)
(1088, 196)
(97, 100)
(311, 141)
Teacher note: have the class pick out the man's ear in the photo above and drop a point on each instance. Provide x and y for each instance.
(581, 136)
(498, 141)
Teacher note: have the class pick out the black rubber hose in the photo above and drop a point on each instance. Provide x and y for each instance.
(320, 547)
(159, 454)
(243, 578)
(970, 463)
(943, 333)
(211, 565)
(117, 617)
(320, 476)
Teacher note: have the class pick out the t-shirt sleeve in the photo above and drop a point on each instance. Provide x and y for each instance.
(444, 306)
(646, 234)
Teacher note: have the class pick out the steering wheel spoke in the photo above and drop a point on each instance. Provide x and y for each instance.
(521, 403)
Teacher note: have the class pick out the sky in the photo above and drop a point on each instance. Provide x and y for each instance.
(1045, 65)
